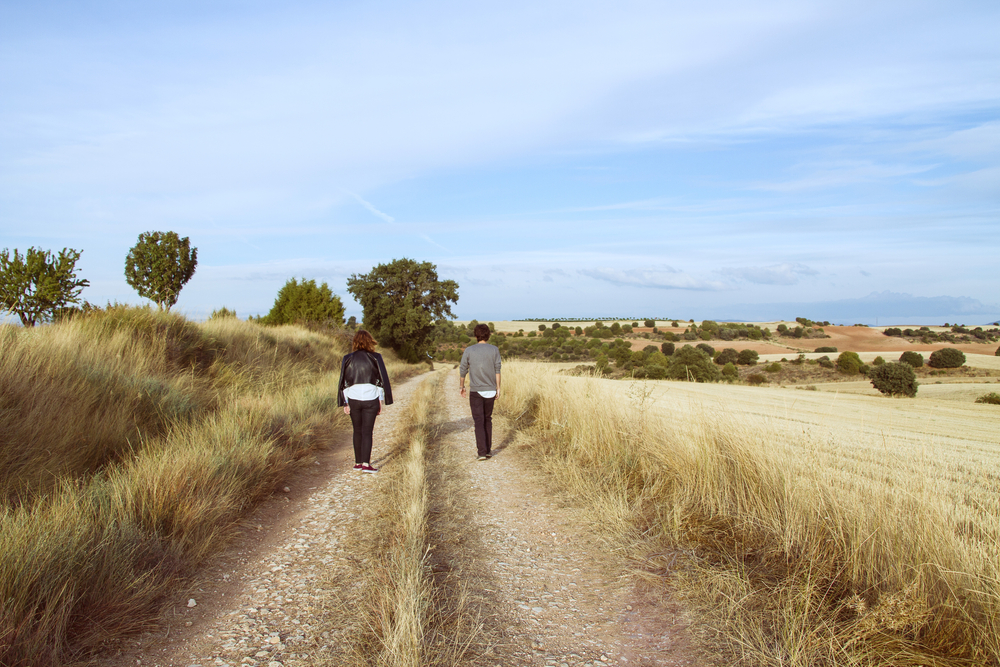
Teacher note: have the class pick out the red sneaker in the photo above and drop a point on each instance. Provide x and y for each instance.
(357, 467)
(367, 468)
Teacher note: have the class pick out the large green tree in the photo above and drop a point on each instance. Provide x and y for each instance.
(34, 286)
(306, 302)
(159, 265)
(401, 301)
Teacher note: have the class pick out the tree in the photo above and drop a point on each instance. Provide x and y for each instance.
(690, 363)
(667, 348)
(912, 358)
(649, 323)
(159, 265)
(306, 302)
(894, 379)
(401, 300)
(727, 356)
(36, 285)
(946, 357)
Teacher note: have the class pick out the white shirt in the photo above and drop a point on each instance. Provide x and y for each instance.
(364, 392)
(487, 394)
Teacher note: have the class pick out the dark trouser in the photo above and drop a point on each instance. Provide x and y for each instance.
(363, 415)
(482, 417)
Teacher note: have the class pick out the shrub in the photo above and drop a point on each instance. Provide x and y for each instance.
(689, 363)
(667, 348)
(706, 348)
(849, 363)
(992, 398)
(878, 361)
(947, 357)
(825, 348)
(895, 379)
(756, 378)
(747, 358)
(774, 367)
(825, 362)
(649, 323)
(222, 313)
(729, 372)
(912, 358)
(727, 356)
(893, 331)
(997, 353)
(656, 372)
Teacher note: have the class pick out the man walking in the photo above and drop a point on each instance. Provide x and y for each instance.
(481, 362)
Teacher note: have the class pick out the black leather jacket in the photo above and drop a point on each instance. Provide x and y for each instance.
(361, 367)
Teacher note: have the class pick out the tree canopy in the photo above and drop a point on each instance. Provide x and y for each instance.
(36, 285)
(401, 301)
(306, 302)
(159, 265)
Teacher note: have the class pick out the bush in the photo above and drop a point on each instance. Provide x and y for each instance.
(689, 363)
(878, 361)
(706, 348)
(992, 398)
(825, 348)
(649, 323)
(656, 372)
(893, 331)
(825, 362)
(747, 358)
(997, 353)
(774, 367)
(912, 358)
(729, 372)
(948, 357)
(895, 379)
(667, 348)
(222, 313)
(756, 378)
(727, 356)
(849, 363)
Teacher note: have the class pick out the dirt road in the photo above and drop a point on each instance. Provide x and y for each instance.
(531, 574)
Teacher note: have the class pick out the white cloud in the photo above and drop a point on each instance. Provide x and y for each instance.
(661, 278)
(776, 274)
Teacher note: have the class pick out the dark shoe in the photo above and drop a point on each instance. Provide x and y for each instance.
(367, 468)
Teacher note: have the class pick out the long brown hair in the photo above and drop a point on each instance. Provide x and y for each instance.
(363, 341)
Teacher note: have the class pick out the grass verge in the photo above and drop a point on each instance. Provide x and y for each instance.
(131, 442)
(796, 566)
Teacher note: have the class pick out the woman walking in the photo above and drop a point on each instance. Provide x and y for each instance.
(363, 391)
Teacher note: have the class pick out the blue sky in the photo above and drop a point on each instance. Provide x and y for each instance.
(725, 160)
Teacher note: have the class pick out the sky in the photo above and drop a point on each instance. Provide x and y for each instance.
(727, 160)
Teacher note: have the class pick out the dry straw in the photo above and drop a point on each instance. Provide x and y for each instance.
(131, 442)
(795, 562)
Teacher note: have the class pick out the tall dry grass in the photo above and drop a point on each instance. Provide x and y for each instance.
(131, 442)
(797, 567)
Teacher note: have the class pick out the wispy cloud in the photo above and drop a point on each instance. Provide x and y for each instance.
(775, 274)
(839, 175)
(661, 278)
(371, 207)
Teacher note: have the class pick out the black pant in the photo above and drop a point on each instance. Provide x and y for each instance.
(482, 417)
(363, 415)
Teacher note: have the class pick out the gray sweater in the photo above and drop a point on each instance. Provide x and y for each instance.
(481, 362)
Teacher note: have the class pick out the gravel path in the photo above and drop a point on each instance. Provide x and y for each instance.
(541, 582)
(568, 601)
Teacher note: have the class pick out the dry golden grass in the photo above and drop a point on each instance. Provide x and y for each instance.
(131, 442)
(805, 549)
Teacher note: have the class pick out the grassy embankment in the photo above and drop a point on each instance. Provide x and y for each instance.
(131, 442)
(402, 615)
(797, 563)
